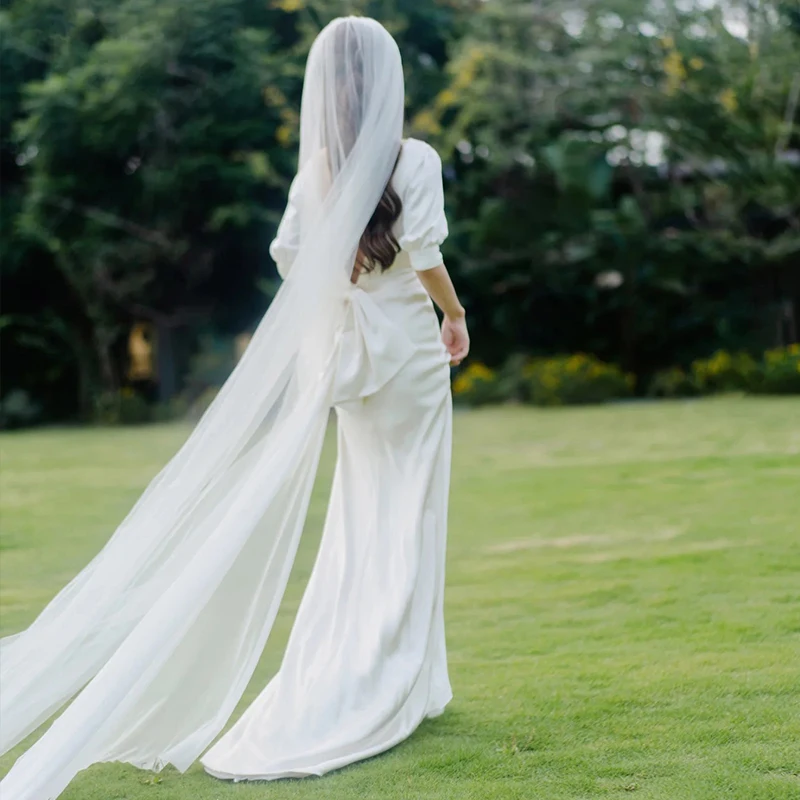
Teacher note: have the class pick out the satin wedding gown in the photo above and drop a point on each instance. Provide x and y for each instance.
(150, 647)
(366, 660)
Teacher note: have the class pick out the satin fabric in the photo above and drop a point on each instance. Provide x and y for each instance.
(167, 623)
(366, 659)
(158, 636)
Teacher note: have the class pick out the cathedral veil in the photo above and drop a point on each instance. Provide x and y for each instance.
(158, 636)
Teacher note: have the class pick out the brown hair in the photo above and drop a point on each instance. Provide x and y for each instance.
(378, 245)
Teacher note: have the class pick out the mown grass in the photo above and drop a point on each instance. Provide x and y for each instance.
(623, 602)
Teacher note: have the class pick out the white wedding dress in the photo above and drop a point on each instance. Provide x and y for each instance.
(150, 647)
(366, 661)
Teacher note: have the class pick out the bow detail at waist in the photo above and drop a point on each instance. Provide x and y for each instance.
(372, 350)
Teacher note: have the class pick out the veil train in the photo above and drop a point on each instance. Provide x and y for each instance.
(158, 636)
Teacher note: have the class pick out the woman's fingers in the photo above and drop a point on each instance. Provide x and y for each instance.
(458, 354)
(456, 341)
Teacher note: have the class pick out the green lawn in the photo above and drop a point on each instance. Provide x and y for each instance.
(623, 602)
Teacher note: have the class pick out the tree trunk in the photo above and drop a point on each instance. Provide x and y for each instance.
(103, 340)
(165, 362)
(87, 379)
(629, 332)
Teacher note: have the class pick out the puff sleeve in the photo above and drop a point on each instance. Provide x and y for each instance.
(424, 222)
(286, 243)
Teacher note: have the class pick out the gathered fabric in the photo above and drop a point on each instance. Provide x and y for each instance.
(154, 642)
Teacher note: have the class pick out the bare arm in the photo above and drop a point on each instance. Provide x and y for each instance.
(438, 285)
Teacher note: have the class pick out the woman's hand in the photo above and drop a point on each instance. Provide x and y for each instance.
(438, 285)
(456, 338)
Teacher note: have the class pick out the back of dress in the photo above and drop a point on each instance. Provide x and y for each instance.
(420, 229)
(395, 322)
(422, 226)
(366, 660)
(158, 636)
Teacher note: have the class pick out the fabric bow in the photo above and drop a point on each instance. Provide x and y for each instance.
(373, 349)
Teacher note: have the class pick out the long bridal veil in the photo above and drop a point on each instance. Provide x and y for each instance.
(160, 633)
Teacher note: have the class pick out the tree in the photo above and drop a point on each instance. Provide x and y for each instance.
(570, 125)
(154, 143)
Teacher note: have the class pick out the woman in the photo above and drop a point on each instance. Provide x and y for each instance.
(165, 627)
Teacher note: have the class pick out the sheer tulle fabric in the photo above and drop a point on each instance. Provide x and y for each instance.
(159, 635)
(366, 660)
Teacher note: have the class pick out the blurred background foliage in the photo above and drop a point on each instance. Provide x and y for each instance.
(623, 180)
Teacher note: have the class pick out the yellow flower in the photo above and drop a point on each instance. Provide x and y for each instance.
(288, 5)
(274, 97)
(467, 69)
(728, 100)
(283, 135)
(480, 371)
(675, 71)
(446, 98)
(462, 384)
(673, 65)
(696, 63)
(426, 122)
(476, 372)
(720, 361)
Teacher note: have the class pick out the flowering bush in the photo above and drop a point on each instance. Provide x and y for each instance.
(725, 372)
(584, 379)
(576, 379)
(673, 382)
(476, 384)
(780, 372)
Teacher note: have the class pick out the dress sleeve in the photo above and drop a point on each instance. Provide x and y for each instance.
(286, 243)
(424, 222)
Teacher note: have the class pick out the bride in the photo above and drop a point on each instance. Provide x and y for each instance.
(158, 636)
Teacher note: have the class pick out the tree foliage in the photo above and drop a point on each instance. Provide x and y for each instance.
(625, 176)
(622, 177)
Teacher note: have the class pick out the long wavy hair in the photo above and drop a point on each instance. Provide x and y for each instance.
(378, 245)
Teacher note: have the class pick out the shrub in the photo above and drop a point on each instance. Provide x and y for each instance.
(17, 410)
(725, 372)
(476, 385)
(577, 379)
(125, 407)
(133, 408)
(780, 372)
(513, 379)
(175, 409)
(673, 382)
(105, 409)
